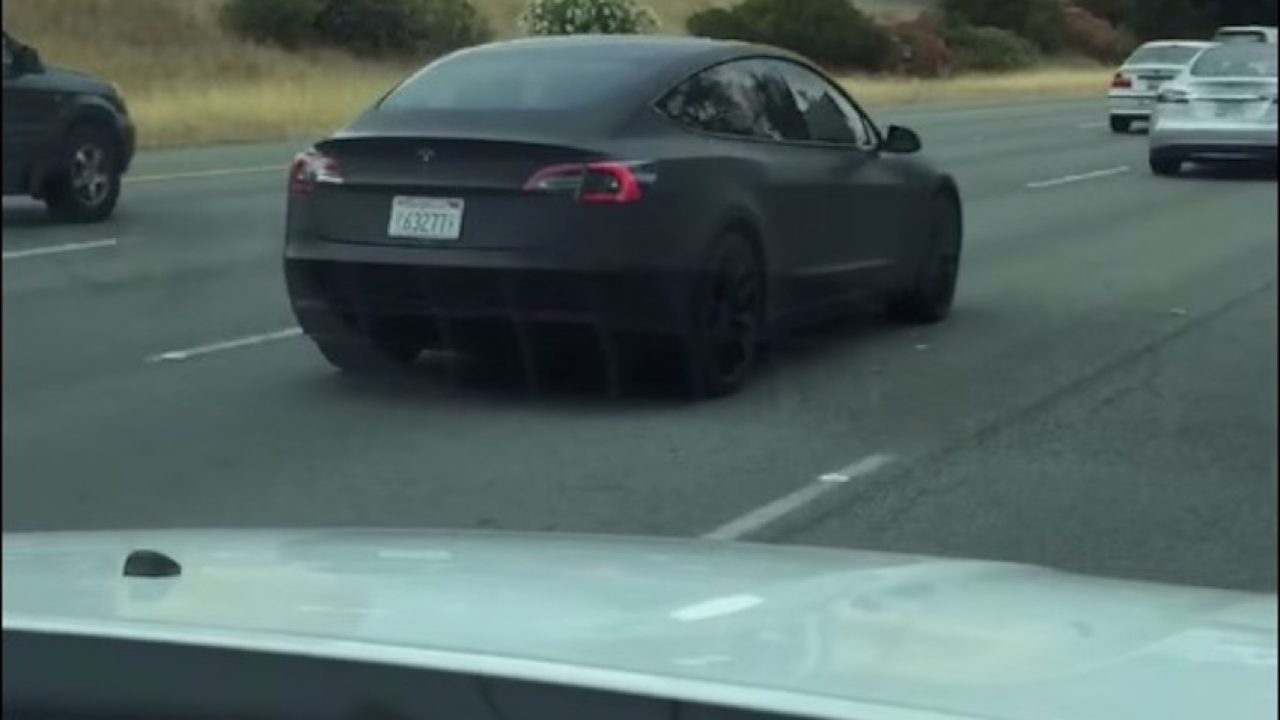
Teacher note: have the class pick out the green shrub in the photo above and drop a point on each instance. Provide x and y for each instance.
(1046, 25)
(989, 48)
(571, 17)
(719, 23)
(1096, 38)
(371, 27)
(398, 27)
(1040, 21)
(830, 32)
(451, 24)
(1007, 14)
(288, 23)
(921, 49)
(1113, 11)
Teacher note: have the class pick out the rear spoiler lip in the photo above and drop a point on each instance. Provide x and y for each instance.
(512, 138)
(540, 127)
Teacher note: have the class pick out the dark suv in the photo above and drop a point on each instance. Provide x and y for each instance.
(67, 136)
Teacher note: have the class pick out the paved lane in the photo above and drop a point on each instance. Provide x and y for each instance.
(1102, 400)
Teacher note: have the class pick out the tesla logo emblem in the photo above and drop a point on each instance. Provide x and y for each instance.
(425, 154)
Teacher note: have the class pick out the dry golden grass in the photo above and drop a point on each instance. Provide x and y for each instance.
(1038, 83)
(189, 82)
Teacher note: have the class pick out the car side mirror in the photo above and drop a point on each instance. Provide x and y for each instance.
(900, 140)
(26, 60)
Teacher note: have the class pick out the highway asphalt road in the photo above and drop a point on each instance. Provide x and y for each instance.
(1103, 399)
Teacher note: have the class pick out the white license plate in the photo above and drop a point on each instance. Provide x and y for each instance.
(425, 218)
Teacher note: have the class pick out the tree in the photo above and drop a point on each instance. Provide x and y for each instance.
(1159, 19)
(1113, 11)
(1155, 19)
(1239, 12)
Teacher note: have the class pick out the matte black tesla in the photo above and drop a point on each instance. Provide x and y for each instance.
(710, 192)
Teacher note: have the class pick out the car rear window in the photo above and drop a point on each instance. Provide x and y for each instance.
(1163, 55)
(1243, 60)
(1241, 36)
(511, 81)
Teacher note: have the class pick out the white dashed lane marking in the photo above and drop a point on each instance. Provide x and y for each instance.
(1066, 179)
(826, 483)
(58, 249)
(188, 353)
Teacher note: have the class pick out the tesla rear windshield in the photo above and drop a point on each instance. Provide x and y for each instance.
(1237, 61)
(1163, 55)
(497, 81)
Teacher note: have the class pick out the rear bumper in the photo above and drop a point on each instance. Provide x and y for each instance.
(1136, 106)
(339, 297)
(1202, 140)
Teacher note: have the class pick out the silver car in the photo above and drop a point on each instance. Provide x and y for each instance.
(1223, 107)
(1135, 84)
(320, 624)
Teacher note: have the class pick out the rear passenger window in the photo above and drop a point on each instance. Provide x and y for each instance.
(829, 116)
(748, 98)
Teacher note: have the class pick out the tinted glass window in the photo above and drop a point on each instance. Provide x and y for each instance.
(1241, 36)
(1251, 60)
(827, 114)
(512, 81)
(747, 98)
(1163, 55)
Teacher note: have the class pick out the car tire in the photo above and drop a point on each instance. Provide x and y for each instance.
(724, 328)
(1164, 164)
(85, 184)
(364, 356)
(932, 288)
(1121, 124)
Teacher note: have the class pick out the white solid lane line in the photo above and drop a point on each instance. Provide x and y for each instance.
(1065, 179)
(57, 249)
(188, 353)
(767, 514)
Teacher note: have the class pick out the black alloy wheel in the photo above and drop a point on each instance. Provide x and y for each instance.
(728, 315)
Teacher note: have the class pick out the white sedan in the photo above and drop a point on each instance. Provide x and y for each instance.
(1223, 107)
(1135, 84)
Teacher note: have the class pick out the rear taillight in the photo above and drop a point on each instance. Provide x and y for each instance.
(600, 182)
(311, 167)
(1167, 97)
(1122, 81)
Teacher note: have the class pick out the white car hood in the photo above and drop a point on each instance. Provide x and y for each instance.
(953, 637)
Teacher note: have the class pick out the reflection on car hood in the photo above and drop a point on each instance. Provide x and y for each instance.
(76, 81)
(964, 638)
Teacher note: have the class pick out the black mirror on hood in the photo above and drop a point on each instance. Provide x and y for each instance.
(901, 140)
